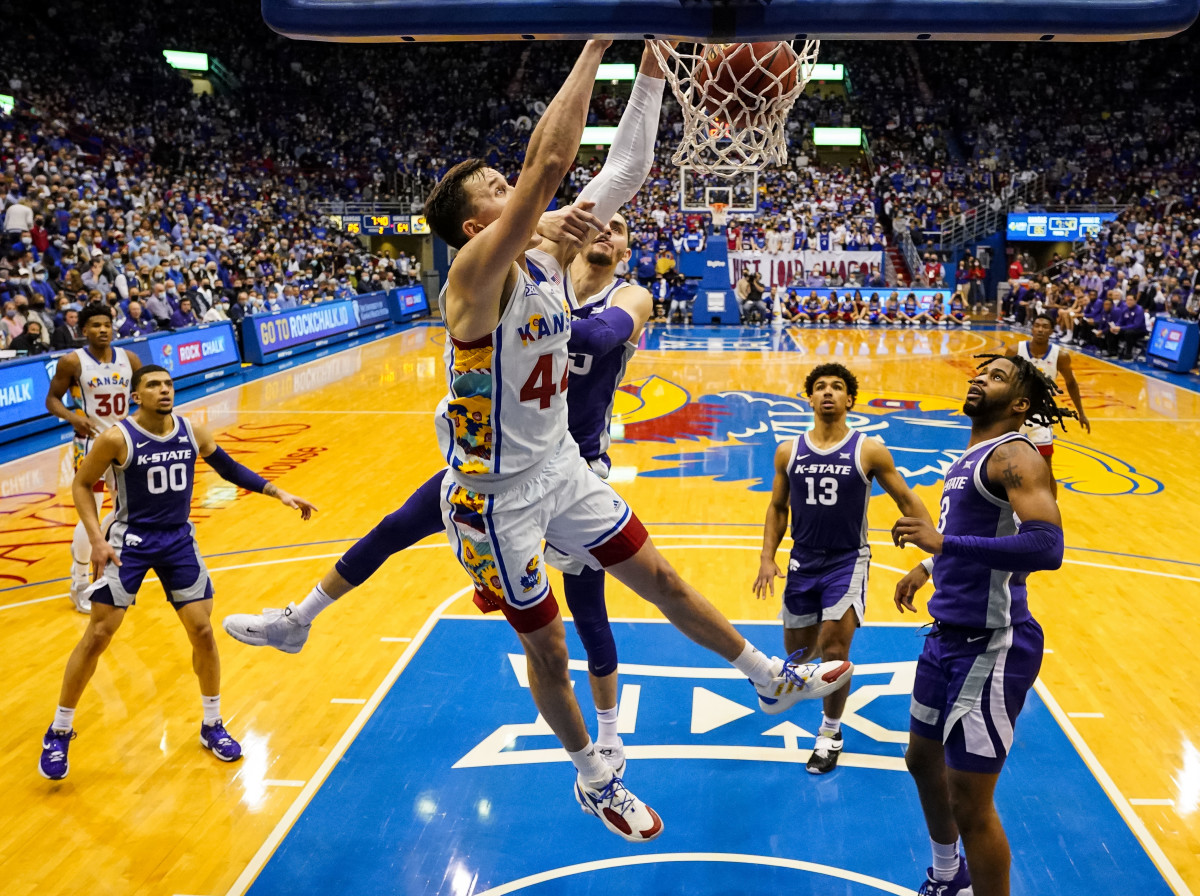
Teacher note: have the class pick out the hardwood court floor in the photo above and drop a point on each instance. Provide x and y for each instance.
(146, 811)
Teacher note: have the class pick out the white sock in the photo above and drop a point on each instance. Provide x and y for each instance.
(594, 771)
(64, 718)
(756, 665)
(945, 859)
(608, 726)
(306, 611)
(212, 709)
(81, 552)
(831, 725)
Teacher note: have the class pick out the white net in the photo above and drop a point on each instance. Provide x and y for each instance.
(720, 214)
(735, 100)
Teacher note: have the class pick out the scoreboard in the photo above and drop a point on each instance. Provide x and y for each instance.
(381, 225)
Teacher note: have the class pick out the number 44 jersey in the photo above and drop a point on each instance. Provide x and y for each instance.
(829, 495)
(506, 409)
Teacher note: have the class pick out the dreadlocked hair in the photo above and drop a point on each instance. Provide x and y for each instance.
(1038, 388)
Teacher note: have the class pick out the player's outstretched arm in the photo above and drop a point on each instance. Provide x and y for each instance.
(65, 373)
(109, 447)
(879, 463)
(482, 266)
(776, 524)
(243, 477)
(1068, 375)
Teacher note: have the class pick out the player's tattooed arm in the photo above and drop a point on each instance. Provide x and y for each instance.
(1026, 479)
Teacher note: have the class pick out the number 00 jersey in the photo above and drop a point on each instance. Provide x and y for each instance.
(153, 487)
(829, 495)
(506, 409)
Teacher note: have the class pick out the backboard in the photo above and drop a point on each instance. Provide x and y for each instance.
(713, 21)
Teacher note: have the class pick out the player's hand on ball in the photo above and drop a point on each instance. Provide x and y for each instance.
(920, 533)
(907, 588)
(306, 508)
(768, 572)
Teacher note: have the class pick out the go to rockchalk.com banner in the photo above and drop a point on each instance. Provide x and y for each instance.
(268, 337)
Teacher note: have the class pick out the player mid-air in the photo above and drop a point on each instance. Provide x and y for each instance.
(824, 479)
(604, 332)
(515, 476)
(999, 522)
(100, 374)
(1053, 361)
(152, 456)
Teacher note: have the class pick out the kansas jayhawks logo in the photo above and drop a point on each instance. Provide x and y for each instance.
(533, 575)
(924, 433)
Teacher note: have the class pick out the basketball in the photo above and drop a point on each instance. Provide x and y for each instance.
(743, 78)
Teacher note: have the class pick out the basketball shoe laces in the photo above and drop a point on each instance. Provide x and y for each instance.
(620, 796)
(791, 666)
(60, 742)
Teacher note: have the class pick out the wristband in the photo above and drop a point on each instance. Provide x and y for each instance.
(927, 565)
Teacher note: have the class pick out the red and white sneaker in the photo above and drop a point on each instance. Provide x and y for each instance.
(802, 681)
(622, 812)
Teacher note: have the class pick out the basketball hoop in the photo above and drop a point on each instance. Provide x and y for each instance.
(735, 100)
(720, 213)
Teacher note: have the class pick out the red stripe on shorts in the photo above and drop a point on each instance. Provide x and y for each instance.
(624, 544)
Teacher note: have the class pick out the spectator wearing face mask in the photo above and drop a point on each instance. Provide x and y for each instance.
(30, 339)
(14, 321)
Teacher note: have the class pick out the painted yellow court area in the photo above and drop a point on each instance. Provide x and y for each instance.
(145, 810)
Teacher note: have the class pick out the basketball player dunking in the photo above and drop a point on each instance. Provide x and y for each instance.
(999, 522)
(824, 478)
(1053, 361)
(100, 374)
(604, 332)
(515, 476)
(152, 456)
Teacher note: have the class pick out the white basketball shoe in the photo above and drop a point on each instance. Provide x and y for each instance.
(271, 628)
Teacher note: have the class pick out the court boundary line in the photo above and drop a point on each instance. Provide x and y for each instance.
(282, 827)
(1120, 802)
(521, 883)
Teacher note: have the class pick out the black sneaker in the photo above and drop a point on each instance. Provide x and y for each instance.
(825, 754)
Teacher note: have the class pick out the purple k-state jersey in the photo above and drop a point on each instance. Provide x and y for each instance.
(967, 593)
(829, 495)
(154, 485)
(594, 382)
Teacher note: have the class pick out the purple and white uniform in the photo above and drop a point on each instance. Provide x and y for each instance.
(594, 382)
(152, 496)
(827, 571)
(985, 650)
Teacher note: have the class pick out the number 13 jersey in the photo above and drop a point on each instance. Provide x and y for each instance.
(506, 409)
(829, 495)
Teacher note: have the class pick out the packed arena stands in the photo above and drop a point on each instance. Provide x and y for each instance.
(211, 195)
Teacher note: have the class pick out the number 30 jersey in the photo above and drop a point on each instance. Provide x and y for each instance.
(829, 495)
(153, 488)
(506, 409)
(104, 386)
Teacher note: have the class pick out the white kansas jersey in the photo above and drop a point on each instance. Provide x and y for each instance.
(104, 387)
(506, 409)
(1047, 363)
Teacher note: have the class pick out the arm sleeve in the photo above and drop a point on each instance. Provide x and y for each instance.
(231, 471)
(632, 152)
(1036, 546)
(600, 334)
